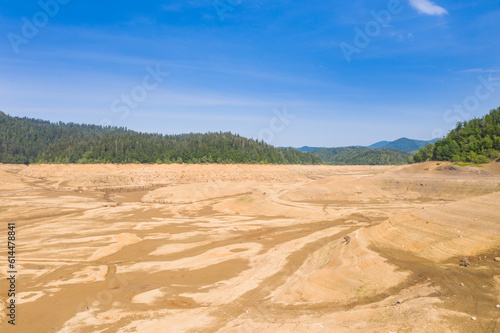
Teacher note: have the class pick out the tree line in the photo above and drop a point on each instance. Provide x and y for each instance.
(476, 141)
(361, 156)
(27, 140)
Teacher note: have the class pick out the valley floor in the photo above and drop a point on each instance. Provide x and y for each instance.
(252, 248)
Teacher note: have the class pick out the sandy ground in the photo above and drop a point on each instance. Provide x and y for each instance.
(252, 248)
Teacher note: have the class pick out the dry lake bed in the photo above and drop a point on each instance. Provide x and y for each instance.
(251, 248)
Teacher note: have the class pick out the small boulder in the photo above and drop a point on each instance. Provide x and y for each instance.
(497, 259)
(464, 262)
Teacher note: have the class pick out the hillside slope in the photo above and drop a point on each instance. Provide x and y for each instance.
(25, 140)
(379, 145)
(408, 145)
(361, 156)
(477, 141)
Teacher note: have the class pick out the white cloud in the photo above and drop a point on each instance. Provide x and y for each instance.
(428, 7)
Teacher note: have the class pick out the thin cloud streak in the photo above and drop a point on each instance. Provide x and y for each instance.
(480, 70)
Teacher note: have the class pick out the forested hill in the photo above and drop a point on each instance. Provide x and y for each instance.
(404, 144)
(407, 145)
(361, 156)
(25, 140)
(477, 141)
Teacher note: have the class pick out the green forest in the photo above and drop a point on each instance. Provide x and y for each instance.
(404, 144)
(361, 156)
(27, 140)
(476, 141)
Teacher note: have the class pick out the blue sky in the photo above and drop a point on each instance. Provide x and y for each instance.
(274, 70)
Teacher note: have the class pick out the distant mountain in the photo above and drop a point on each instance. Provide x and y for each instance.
(379, 144)
(403, 144)
(381, 153)
(26, 140)
(408, 145)
(361, 156)
(308, 149)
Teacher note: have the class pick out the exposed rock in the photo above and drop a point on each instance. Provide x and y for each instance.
(464, 262)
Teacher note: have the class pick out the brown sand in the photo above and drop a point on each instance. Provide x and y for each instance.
(252, 248)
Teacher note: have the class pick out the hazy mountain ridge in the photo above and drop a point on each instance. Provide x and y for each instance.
(395, 152)
(379, 144)
(403, 144)
(308, 149)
